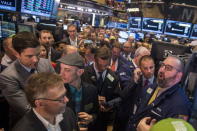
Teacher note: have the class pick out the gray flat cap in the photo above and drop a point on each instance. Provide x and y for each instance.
(73, 59)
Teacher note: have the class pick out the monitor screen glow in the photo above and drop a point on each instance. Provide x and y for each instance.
(8, 5)
(177, 28)
(35, 7)
(194, 32)
(153, 25)
(8, 29)
(135, 23)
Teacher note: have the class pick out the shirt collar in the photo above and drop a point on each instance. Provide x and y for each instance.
(97, 72)
(150, 79)
(48, 125)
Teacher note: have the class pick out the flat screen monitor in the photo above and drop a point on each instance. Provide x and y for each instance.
(177, 28)
(8, 5)
(121, 25)
(122, 40)
(153, 25)
(123, 34)
(160, 50)
(23, 27)
(135, 23)
(139, 36)
(8, 29)
(194, 32)
(37, 7)
(111, 24)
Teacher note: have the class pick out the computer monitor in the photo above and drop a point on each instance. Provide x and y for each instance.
(153, 25)
(34, 7)
(111, 24)
(123, 34)
(23, 27)
(135, 23)
(121, 25)
(194, 32)
(160, 50)
(9, 5)
(122, 40)
(177, 28)
(8, 28)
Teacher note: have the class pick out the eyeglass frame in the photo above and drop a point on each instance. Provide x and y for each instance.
(60, 100)
(170, 66)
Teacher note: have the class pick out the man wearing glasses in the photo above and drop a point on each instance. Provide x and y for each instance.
(72, 32)
(166, 99)
(46, 94)
(13, 78)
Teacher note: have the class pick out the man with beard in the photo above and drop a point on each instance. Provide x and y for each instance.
(46, 38)
(166, 99)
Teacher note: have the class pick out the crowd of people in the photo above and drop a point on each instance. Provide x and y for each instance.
(88, 81)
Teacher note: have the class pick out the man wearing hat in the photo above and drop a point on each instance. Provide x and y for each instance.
(82, 96)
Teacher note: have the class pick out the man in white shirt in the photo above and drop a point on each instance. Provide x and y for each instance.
(47, 95)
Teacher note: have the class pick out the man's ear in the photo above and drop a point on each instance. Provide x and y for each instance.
(17, 55)
(179, 76)
(39, 103)
(80, 72)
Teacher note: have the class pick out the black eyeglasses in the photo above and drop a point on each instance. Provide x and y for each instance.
(168, 67)
(61, 99)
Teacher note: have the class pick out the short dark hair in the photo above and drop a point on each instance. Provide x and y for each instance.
(44, 31)
(144, 58)
(103, 53)
(24, 40)
(38, 84)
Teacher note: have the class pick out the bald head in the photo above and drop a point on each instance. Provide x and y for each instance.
(69, 49)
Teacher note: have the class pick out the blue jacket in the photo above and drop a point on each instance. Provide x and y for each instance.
(171, 103)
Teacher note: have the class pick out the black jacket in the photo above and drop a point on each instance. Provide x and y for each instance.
(110, 87)
(30, 122)
(89, 102)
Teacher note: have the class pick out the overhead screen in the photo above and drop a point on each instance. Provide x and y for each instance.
(194, 32)
(177, 28)
(135, 23)
(8, 5)
(37, 7)
(153, 24)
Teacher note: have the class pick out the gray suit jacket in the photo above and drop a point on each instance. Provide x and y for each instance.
(12, 82)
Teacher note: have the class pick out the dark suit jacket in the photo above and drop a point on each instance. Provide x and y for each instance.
(130, 96)
(110, 87)
(30, 122)
(171, 103)
(89, 102)
(12, 83)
